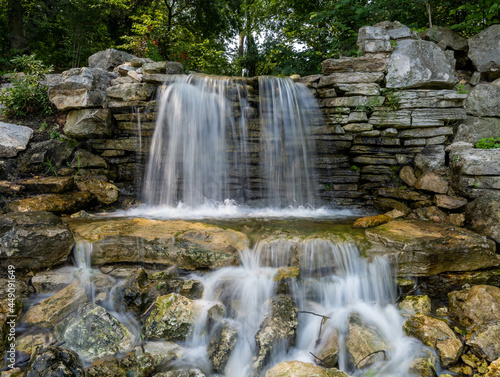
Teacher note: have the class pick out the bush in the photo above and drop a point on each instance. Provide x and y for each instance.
(28, 95)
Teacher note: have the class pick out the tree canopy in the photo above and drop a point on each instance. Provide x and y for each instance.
(228, 37)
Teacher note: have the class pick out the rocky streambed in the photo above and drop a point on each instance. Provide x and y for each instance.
(124, 296)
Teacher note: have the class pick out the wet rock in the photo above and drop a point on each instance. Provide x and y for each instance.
(173, 317)
(476, 306)
(433, 182)
(79, 88)
(301, 369)
(109, 59)
(105, 192)
(419, 64)
(32, 241)
(52, 361)
(484, 101)
(14, 139)
(328, 349)
(493, 369)
(277, 330)
(53, 281)
(56, 203)
(424, 365)
(364, 344)
(54, 309)
(485, 342)
(483, 215)
(158, 353)
(437, 334)
(48, 184)
(415, 304)
(94, 333)
(371, 221)
(423, 248)
(89, 124)
(221, 344)
(192, 372)
(180, 243)
(449, 202)
(131, 92)
(484, 51)
(30, 340)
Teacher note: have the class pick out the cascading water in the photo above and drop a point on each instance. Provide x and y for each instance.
(206, 149)
(348, 293)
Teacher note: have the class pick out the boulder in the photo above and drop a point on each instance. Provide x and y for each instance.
(484, 101)
(32, 241)
(301, 369)
(109, 59)
(485, 342)
(365, 345)
(424, 365)
(221, 343)
(407, 175)
(131, 92)
(94, 333)
(174, 68)
(471, 129)
(415, 304)
(431, 158)
(328, 349)
(419, 64)
(277, 330)
(55, 308)
(445, 38)
(436, 334)
(183, 244)
(13, 139)
(484, 51)
(476, 306)
(483, 215)
(170, 68)
(89, 124)
(52, 281)
(476, 162)
(430, 181)
(422, 248)
(373, 39)
(449, 202)
(105, 192)
(56, 203)
(52, 361)
(173, 318)
(79, 88)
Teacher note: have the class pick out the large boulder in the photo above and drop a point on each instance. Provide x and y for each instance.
(422, 248)
(484, 101)
(485, 342)
(89, 124)
(109, 59)
(183, 244)
(13, 139)
(483, 215)
(105, 192)
(437, 334)
(445, 38)
(473, 128)
(419, 64)
(484, 51)
(301, 369)
(79, 88)
(94, 333)
(50, 361)
(222, 342)
(277, 330)
(365, 345)
(35, 240)
(476, 306)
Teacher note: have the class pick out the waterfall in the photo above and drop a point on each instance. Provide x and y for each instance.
(206, 147)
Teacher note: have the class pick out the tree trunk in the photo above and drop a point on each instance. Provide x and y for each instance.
(16, 29)
(241, 44)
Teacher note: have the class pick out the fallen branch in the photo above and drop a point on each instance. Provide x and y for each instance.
(371, 354)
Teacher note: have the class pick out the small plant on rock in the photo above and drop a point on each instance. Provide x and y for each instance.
(488, 143)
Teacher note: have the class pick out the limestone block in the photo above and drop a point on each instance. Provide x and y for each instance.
(484, 101)
(350, 78)
(373, 39)
(131, 92)
(484, 51)
(89, 123)
(109, 59)
(13, 139)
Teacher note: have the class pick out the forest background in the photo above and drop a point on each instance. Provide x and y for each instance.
(225, 37)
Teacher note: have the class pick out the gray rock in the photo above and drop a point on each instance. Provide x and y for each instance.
(54, 280)
(105, 192)
(484, 101)
(445, 38)
(484, 51)
(139, 62)
(174, 68)
(424, 98)
(433, 182)
(33, 240)
(475, 306)
(483, 215)
(131, 92)
(370, 89)
(350, 78)
(364, 344)
(415, 304)
(85, 159)
(435, 117)
(13, 139)
(485, 342)
(473, 128)
(419, 64)
(476, 162)
(89, 123)
(109, 59)
(431, 158)
(373, 39)
(221, 344)
(49, 361)
(372, 63)
(80, 87)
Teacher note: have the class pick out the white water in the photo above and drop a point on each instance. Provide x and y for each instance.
(334, 282)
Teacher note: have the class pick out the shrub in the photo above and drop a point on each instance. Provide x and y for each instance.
(27, 95)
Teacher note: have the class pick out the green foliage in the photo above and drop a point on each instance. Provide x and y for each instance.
(488, 143)
(461, 89)
(474, 16)
(354, 168)
(27, 95)
(51, 168)
(392, 98)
